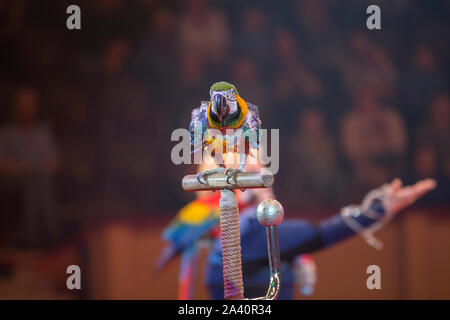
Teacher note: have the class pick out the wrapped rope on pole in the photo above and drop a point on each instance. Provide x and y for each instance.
(229, 227)
(231, 246)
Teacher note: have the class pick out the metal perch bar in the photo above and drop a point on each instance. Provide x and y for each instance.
(218, 181)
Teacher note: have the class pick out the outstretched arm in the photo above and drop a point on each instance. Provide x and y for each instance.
(378, 207)
(297, 236)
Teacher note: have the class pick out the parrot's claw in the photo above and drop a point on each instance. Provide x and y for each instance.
(232, 174)
(202, 175)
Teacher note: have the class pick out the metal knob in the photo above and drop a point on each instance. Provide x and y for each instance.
(270, 213)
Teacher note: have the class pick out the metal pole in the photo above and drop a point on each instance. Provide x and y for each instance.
(269, 213)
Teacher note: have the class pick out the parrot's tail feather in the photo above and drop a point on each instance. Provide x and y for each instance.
(199, 148)
(167, 255)
(188, 268)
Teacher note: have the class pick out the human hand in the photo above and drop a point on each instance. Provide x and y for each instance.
(399, 197)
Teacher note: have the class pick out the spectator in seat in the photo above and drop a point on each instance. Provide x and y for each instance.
(28, 163)
(373, 138)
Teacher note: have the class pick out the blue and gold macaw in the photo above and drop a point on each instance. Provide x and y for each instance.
(236, 120)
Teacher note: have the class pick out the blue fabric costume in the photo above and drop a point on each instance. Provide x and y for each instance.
(296, 236)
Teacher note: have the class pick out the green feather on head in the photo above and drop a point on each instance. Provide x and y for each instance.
(223, 86)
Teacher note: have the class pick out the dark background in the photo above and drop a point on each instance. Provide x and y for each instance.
(355, 107)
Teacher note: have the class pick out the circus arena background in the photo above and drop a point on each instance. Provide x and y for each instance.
(355, 108)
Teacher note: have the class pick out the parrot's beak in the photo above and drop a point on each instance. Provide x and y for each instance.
(221, 105)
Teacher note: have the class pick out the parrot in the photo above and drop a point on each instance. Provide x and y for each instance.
(196, 221)
(226, 112)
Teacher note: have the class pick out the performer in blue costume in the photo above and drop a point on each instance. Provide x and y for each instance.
(297, 237)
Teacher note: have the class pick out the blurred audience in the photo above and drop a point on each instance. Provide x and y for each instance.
(293, 76)
(315, 167)
(436, 131)
(368, 66)
(116, 89)
(254, 37)
(28, 162)
(204, 33)
(373, 138)
(423, 80)
(432, 152)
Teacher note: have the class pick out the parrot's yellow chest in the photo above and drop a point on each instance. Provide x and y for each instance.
(228, 141)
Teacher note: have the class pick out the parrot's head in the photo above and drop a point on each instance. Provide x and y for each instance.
(226, 108)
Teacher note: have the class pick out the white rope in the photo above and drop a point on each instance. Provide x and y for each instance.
(231, 246)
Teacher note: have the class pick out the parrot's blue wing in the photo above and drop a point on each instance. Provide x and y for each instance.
(183, 235)
(253, 119)
(253, 122)
(198, 126)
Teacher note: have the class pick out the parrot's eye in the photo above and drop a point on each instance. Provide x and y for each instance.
(231, 95)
